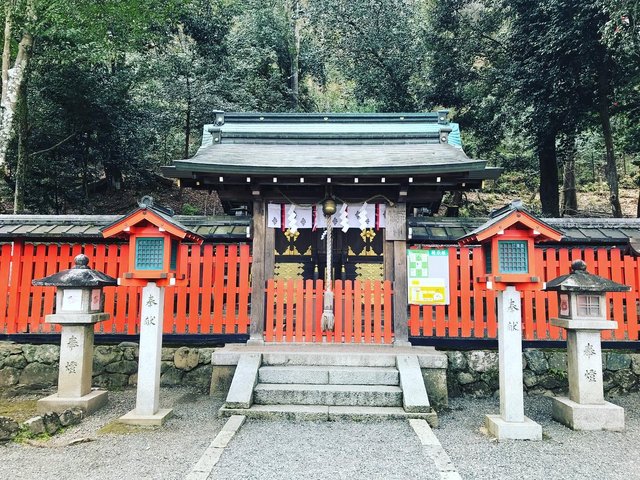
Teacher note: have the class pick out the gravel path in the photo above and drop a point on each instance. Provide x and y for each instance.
(168, 452)
(286, 450)
(330, 450)
(562, 454)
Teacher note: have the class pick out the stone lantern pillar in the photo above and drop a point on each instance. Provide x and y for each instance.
(583, 313)
(79, 306)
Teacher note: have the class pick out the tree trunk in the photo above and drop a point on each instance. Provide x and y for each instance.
(295, 60)
(6, 50)
(23, 150)
(549, 183)
(16, 77)
(611, 170)
(187, 124)
(453, 208)
(569, 196)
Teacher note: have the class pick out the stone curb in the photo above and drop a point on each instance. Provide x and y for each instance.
(434, 450)
(212, 454)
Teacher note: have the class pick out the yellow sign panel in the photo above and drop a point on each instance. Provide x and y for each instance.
(423, 292)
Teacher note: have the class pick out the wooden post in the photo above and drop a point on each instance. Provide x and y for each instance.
(396, 232)
(269, 252)
(256, 330)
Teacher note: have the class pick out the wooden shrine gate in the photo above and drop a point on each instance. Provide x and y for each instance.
(363, 312)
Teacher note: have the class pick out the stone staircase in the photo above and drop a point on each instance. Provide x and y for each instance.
(328, 386)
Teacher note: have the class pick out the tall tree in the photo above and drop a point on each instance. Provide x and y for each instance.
(376, 44)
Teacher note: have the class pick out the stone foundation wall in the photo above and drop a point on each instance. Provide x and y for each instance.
(25, 366)
(475, 372)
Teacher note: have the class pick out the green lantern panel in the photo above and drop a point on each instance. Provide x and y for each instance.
(149, 253)
(513, 256)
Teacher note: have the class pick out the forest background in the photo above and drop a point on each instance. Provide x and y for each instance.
(98, 94)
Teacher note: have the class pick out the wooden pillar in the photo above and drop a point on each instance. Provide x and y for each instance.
(256, 330)
(396, 233)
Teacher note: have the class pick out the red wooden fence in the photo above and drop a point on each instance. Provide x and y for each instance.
(216, 301)
(472, 311)
(362, 310)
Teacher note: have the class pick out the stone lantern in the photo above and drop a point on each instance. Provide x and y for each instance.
(507, 241)
(583, 313)
(154, 263)
(79, 306)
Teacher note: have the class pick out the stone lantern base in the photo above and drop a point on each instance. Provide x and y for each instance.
(504, 430)
(153, 419)
(579, 416)
(89, 403)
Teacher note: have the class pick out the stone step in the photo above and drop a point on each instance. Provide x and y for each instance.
(327, 413)
(324, 394)
(336, 375)
(328, 359)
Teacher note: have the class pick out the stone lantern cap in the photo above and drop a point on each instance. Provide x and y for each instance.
(579, 280)
(77, 277)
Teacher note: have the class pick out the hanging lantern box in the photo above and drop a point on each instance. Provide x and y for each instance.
(154, 242)
(507, 242)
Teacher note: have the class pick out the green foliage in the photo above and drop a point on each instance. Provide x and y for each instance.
(118, 88)
(188, 209)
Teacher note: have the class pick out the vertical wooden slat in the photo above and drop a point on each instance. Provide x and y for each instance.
(290, 303)
(357, 311)
(602, 269)
(367, 311)
(551, 272)
(299, 313)
(111, 293)
(193, 288)
(13, 300)
(538, 299)
(244, 290)
(36, 318)
(414, 320)
(308, 310)
(618, 305)
(454, 294)
(490, 306)
(133, 327)
(231, 298)
(388, 312)
(181, 316)
(631, 297)
(466, 282)
(348, 311)
(478, 303)
(317, 295)
(206, 319)
(269, 332)
(218, 290)
(527, 317)
(339, 313)
(5, 269)
(25, 288)
(279, 298)
(377, 312)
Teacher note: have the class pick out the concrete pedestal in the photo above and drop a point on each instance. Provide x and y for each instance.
(605, 416)
(511, 423)
(89, 403)
(586, 409)
(503, 430)
(76, 366)
(147, 411)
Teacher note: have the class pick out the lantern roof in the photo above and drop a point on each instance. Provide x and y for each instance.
(579, 280)
(77, 277)
(512, 215)
(147, 212)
